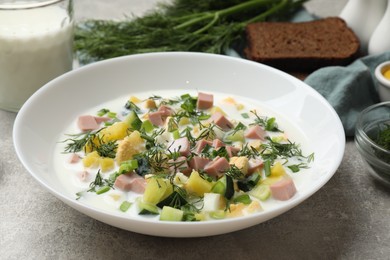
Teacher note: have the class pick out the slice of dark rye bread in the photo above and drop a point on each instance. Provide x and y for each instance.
(303, 46)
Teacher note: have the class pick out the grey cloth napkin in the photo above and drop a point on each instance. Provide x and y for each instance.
(349, 89)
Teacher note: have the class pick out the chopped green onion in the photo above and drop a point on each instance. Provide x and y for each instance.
(294, 167)
(125, 206)
(176, 134)
(103, 190)
(128, 166)
(245, 115)
(103, 111)
(111, 114)
(219, 214)
(244, 198)
(204, 117)
(267, 168)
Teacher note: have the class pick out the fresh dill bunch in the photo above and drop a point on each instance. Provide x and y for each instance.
(182, 25)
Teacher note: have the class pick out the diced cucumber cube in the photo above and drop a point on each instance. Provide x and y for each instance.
(146, 208)
(261, 192)
(133, 120)
(147, 126)
(125, 206)
(219, 214)
(237, 136)
(171, 214)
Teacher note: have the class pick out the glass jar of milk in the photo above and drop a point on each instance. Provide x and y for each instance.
(36, 41)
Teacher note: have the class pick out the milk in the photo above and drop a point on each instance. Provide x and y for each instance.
(35, 47)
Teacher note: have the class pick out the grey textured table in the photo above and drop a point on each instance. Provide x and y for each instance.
(347, 219)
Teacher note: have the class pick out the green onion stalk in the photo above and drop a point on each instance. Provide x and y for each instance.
(182, 25)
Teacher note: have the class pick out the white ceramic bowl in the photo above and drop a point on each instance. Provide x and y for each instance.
(51, 109)
(384, 83)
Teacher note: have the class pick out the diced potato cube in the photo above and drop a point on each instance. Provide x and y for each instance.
(240, 162)
(106, 163)
(230, 100)
(157, 189)
(216, 109)
(91, 160)
(114, 132)
(134, 99)
(277, 170)
(256, 144)
(150, 104)
(197, 185)
(240, 107)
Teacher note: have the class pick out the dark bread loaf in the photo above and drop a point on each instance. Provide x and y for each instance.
(303, 46)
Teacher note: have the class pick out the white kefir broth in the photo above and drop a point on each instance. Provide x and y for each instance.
(35, 47)
(67, 173)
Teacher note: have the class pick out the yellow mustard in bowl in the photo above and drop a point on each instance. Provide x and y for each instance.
(387, 74)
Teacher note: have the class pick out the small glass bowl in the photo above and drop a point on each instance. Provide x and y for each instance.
(370, 122)
(383, 82)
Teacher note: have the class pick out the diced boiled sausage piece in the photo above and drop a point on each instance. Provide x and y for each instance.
(156, 118)
(130, 182)
(283, 189)
(254, 165)
(181, 145)
(205, 101)
(87, 123)
(179, 165)
(198, 163)
(74, 158)
(217, 167)
(165, 111)
(220, 120)
(255, 132)
(124, 182)
(218, 143)
(232, 151)
(138, 185)
(83, 176)
(200, 145)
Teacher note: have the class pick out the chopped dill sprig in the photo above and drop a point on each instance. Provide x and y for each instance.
(248, 151)
(273, 150)
(235, 173)
(207, 132)
(98, 184)
(77, 142)
(269, 124)
(107, 149)
(240, 126)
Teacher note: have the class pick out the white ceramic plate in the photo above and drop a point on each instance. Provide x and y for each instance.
(51, 109)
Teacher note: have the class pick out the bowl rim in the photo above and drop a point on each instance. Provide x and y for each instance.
(379, 74)
(362, 133)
